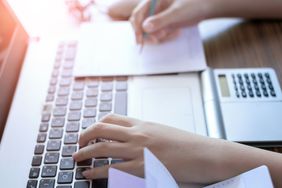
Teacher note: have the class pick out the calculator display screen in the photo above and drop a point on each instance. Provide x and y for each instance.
(223, 85)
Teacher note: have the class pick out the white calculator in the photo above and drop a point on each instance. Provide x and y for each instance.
(245, 105)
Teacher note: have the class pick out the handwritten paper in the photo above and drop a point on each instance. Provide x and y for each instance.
(109, 48)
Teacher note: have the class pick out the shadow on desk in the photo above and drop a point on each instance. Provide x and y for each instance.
(247, 44)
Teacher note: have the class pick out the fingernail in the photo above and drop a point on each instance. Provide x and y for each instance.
(86, 173)
(148, 26)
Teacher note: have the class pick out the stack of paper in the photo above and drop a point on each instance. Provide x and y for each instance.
(157, 176)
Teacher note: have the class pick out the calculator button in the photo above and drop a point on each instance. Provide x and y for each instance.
(242, 87)
(237, 94)
(253, 75)
(259, 75)
(263, 86)
(251, 93)
(267, 75)
(265, 93)
(270, 86)
(258, 93)
(272, 93)
(244, 94)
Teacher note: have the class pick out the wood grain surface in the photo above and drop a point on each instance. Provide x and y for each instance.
(248, 44)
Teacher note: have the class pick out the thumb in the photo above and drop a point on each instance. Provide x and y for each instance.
(162, 20)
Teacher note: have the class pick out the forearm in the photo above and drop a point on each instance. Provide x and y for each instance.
(235, 158)
(246, 8)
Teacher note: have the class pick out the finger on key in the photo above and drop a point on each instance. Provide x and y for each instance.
(104, 130)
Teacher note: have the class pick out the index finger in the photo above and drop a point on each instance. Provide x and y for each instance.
(138, 16)
(104, 130)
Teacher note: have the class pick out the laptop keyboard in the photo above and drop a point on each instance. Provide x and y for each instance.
(72, 104)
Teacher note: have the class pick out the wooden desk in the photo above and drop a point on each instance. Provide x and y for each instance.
(247, 44)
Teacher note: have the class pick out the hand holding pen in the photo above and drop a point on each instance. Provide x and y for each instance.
(155, 21)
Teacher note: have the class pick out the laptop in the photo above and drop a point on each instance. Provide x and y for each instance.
(44, 107)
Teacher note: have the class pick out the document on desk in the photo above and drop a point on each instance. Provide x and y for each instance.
(258, 178)
(158, 176)
(109, 48)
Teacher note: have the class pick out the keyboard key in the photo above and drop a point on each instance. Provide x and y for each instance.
(53, 145)
(72, 127)
(41, 137)
(68, 151)
(87, 113)
(55, 73)
(43, 127)
(66, 73)
(92, 92)
(31, 184)
(78, 173)
(63, 91)
(64, 186)
(121, 85)
(102, 114)
(105, 107)
(56, 133)
(36, 160)
(39, 149)
(53, 81)
(62, 101)
(47, 183)
(68, 65)
(82, 184)
(120, 103)
(86, 122)
(52, 89)
(90, 102)
(34, 172)
(107, 86)
(74, 116)
(49, 171)
(71, 138)
(107, 96)
(59, 111)
(49, 98)
(78, 85)
(58, 122)
(77, 96)
(65, 82)
(67, 164)
(101, 183)
(87, 162)
(115, 161)
(45, 117)
(65, 177)
(51, 158)
(75, 105)
(92, 83)
(100, 162)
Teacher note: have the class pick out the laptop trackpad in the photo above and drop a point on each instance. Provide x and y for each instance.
(171, 106)
(165, 100)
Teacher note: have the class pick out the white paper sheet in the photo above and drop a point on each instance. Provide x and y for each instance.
(257, 178)
(109, 48)
(120, 179)
(156, 175)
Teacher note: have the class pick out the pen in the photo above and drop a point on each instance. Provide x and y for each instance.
(152, 9)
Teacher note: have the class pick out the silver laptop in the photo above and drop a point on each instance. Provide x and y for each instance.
(44, 107)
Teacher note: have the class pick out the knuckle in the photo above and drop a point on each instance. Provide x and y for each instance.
(98, 127)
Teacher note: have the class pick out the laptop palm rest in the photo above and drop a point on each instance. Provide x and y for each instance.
(174, 100)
